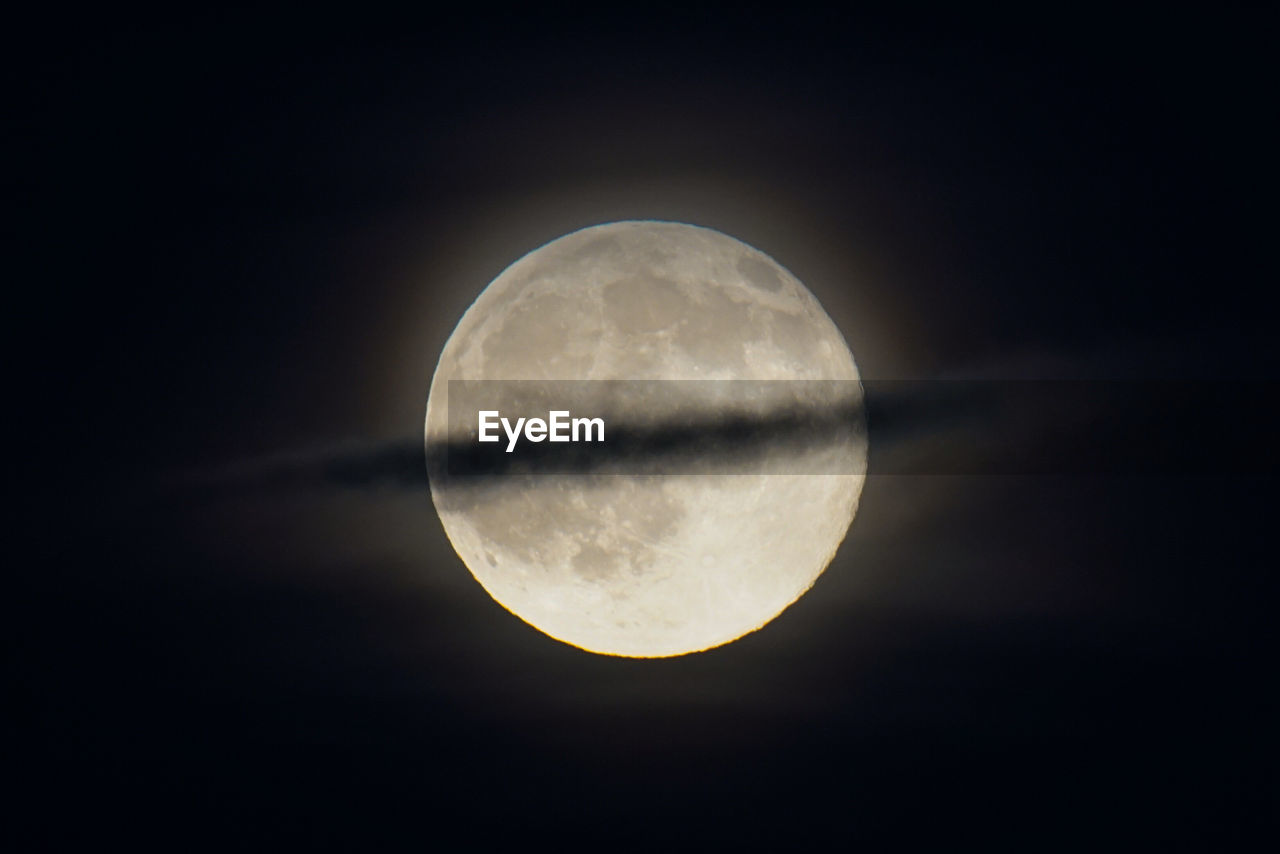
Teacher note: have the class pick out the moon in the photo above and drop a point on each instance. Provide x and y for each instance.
(645, 565)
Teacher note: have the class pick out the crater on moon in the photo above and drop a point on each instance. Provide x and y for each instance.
(645, 565)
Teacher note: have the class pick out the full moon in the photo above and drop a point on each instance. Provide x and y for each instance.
(634, 564)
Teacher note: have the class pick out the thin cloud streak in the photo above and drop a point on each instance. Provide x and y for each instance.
(914, 427)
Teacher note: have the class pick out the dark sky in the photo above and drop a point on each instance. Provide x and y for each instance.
(245, 244)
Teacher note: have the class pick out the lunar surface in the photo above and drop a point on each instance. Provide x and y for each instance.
(645, 565)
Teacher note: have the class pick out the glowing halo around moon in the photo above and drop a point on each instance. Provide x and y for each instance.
(645, 565)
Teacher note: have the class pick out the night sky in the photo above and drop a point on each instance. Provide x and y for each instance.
(244, 244)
